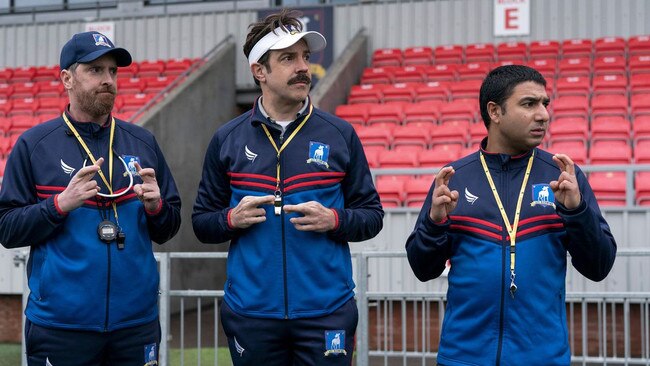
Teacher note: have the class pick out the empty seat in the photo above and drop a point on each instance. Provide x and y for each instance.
(386, 57)
(570, 106)
(608, 187)
(366, 93)
(609, 105)
(610, 152)
(134, 102)
(642, 188)
(610, 65)
(51, 105)
(356, 114)
(610, 127)
(544, 49)
(422, 112)
(397, 159)
(610, 84)
(151, 68)
(5, 126)
(155, 84)
(416, 191)
(466, 89)
(609, 46)
(377, 75)
(418, 56)
(639, 105)
(515, 51)
(391, 192)
(23, 74)
(22, 122)
(131, 85)
(375, 135)
(641, 127)
(439, 155)
(570, 128)
(453, 132)
(5, 75)
(574, 66)
(575, 149)
(51, 88)
(479, 52)
(5, 106)
(372, 154)
(573, 85)
(24, 106)
(433, 90)
(640, 84)
(448, 54)
(477, 132)
(639, 64)
(399, 92)
(638, 45)
(409, 74)
(462, 109)
(6, 90)
(130, 71)
(443, 72)
(412, 135)
(578, 47)
(546, 66)
(473, 71)
(386, 113)
(25, 90)
(47, 73)
(177, 66)
(5, 147)
(642, 151)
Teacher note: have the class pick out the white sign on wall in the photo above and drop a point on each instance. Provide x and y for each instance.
(105, 28)
(511, 17)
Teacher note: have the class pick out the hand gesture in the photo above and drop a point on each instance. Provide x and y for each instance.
(148, 191)
(565, 187)
(248, 212)
(443, 201)
(80, 188)
(315, 217)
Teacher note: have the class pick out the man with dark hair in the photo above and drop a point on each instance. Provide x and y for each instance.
(289, 186)
(89, 219)
(508, 235)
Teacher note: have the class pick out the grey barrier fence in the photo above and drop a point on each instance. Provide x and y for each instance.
(403, 328)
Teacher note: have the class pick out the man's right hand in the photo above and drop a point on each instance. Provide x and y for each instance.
(248, 212)
(81, 187)
(443, 201)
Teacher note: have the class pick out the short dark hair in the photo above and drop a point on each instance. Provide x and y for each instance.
(500, 83)
(286, 19)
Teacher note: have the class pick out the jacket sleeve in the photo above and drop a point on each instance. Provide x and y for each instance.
(164, 223)
(210, 214)
(428, 247)
(362, 217)
(589, 239)
(24, 219)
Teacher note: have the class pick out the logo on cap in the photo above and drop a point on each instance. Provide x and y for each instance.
(101, 40)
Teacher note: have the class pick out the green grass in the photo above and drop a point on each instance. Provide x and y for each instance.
(10, 354)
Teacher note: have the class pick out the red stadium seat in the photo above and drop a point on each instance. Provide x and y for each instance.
(641, 127)
(22, 122)
(372, 154)
(387, 57)
(409, 74)
(5, 147)
(423, 112)
(608, 65)
(609, 105)
(610, 84)
(386, 113)
(473, 71)
(412, 135)
(151, 68)
(477, 132)
(577, 47)
(575, 149)
(51, 89)
(642, 188)
(23, 74)
(573, 85)
(5, 75)
(544, 49)
(156, 84)
(26, 106)
(418, 56)
(575, 66)
(640, 84)
(639, 64)
(130, 71)
(433, 90)
(6, 90)
(443, 72)
(639, 104)
(5, 106)
(130, 86)
(610, 152)
(609, 46)
(356, 114)
(416, 191)
(514, 51)
(642, 151)
(479, 52)
(570, 106)
(25, 90)
(546, 66)
(47, 73)
(570, 128)
(134, 102)
(399, 92)
(176, 66)
(377, 75)
(5, 126)
(462, 109)
(397, 159)
(610, 127)
(467, 89)
(375, 135)
(391, 192)
(366, 93)
(609, 187)
(638, 45)
(51, 105)
(453, 132)
(439, 155)
(448, 54)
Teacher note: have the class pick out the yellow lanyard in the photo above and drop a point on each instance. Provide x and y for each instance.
(512, 230)
(94, 161)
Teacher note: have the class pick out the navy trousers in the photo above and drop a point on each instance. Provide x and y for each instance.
(135, 346)
(327, 340)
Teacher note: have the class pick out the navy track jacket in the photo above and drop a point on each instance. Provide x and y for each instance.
(483, 324)
(76, 280)
(274, 270)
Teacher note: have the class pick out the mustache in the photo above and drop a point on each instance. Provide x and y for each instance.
(300, 78)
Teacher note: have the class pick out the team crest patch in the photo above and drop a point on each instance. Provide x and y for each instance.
(150, 355)
(335, 342)
(318, 153)
(130, 163)
(543, 195)
(100, 40)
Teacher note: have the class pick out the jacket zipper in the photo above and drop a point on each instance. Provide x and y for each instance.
(284, 244)
(502, 305)
(108, 285)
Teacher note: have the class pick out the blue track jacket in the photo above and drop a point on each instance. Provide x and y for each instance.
(274, 270)
(483, 324)
(76, 280)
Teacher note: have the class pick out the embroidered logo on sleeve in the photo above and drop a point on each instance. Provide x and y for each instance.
(318, 153)
(335, 343)
(67, 169)
(249, 154)
(471, 198)
(543, 195)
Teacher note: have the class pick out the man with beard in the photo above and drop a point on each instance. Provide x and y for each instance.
(89, 220)
(289, 186)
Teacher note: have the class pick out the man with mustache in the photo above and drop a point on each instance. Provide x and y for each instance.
(506, 216)
(89, 219)
(289, 186)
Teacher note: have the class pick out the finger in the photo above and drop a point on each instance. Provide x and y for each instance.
(253, 201)
(565, 163)
(444, 175)
(86, 173)
(151, 196)
(299, 208)
(148, 175)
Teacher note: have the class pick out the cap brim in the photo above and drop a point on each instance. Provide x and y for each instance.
(315, 41)
(122, 56)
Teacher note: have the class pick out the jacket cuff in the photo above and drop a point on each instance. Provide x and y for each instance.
(156, 211)
(228, 222)
(55, 201)
(563, 211)
(337, 223)
(436, 227)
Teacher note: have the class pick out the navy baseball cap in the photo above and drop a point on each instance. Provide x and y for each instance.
(88, 46)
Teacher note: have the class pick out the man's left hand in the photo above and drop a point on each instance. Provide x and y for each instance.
(566, 188)
(316, 217)
(148, 192)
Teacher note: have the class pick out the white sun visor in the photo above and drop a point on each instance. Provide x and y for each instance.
(280, 39)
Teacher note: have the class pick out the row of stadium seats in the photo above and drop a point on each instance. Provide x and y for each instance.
(147, 68)
(609, 188)
(518, 51)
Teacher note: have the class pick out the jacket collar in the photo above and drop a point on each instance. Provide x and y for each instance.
(89, 128)
(259, 116)
(504, 160)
